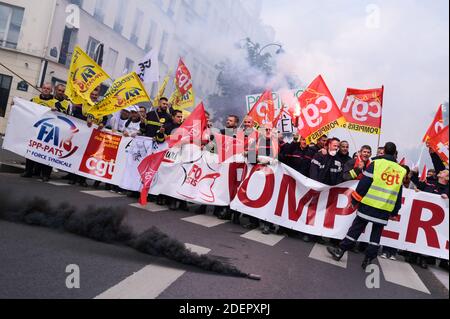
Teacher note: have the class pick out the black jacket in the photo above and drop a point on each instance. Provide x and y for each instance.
(296, 157)
(431, 185)
(326, 169)
(343, 158)
(156, 120)
(349, 167)
(370, 213)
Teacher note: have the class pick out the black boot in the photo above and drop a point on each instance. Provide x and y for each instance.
(336, 252)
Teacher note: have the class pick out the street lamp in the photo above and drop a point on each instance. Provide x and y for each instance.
(254, 45)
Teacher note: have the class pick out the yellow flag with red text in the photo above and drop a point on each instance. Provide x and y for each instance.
(84, 76)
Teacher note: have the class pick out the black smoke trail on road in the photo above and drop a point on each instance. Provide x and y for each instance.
(106, 224)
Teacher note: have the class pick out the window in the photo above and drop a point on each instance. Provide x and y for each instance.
(120, 16)
(111, 60)
(5, 86)
(136, 26)
(99, 11)
(67, 45)
(163, 47)
(129, 65)
(151, 35)
(171, 9)
(10, 22)
(92, 45)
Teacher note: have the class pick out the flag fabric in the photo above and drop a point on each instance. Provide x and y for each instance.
(183, 78)
(124, 92)
(185, 101)
(439, 144)
(403, 161)
(148, 68)
(84, 76)
(319, 111)
(228, 146)
(263, 112)
(436, 126)
(147, 170)
(423, 176)
(362, 110)
(192, 128)
(161, 90)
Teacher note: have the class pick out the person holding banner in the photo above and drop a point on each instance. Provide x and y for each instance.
(354, 168)
(31, 167)
(297, 155)
(343, 154)
(156, 119)
(327, 169)
(378, 197)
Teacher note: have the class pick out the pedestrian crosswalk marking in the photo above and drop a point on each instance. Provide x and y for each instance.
(269, 239)
(440, 275)
(401, 273)
(149, 282)
(58, 184)
(205, 220)
(319, 252)
(151, 207)
(103, 194)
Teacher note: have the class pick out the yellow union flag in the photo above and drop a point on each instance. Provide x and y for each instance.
(185, 101)
(161, 91)
(124, 92)
(84, 76)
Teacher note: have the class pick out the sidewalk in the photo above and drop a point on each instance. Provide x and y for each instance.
(10, 162)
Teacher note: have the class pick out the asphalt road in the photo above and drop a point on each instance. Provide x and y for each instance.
(34, 260)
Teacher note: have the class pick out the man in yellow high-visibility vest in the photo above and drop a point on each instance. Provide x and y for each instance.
(379, 198)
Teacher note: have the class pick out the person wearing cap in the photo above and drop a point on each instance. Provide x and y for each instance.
(119, 119)
(132, 126)
(378, 198)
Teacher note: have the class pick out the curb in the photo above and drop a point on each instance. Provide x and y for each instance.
(11, 168)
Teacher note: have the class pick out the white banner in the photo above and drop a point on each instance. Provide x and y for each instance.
(277, 193)
(148, 68)
(281, 195)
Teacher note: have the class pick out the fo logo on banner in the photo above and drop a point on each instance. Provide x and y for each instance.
(54, 136)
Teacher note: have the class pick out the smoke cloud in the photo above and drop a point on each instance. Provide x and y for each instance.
(106, 224)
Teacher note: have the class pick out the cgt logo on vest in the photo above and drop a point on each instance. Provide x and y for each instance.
(54, 137)
(390, 176)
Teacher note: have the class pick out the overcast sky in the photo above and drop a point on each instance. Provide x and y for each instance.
(403, 44)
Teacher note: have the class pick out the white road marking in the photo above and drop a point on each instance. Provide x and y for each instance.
(205, 220)
(58, 184)
(149, 282)
(401, 273)
(151, 207)
(319, 252)
(269, 239)
(103, 194)
(440, 275)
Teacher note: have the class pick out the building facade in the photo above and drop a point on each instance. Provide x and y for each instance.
(37, 39)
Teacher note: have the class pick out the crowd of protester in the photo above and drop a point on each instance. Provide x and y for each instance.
(328, 161)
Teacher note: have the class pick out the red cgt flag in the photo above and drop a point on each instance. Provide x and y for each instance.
(147, 169)
(439, 143)
(436, 126)
(183, 78)
(228, 146)
(319, 111)
(362, 110)
(192, 128)
(423, 176)
(263, 111)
